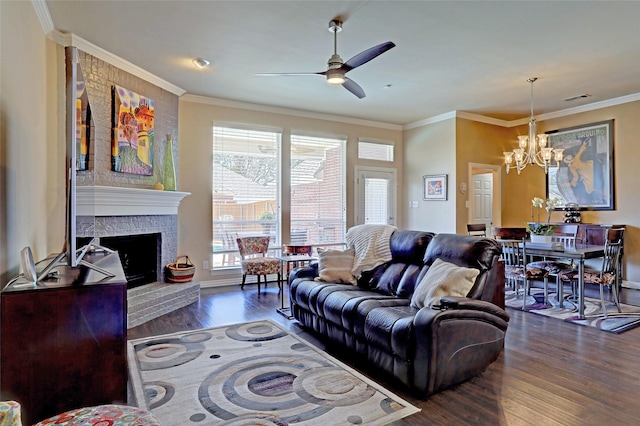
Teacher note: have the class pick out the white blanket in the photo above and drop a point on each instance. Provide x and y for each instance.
(371, 244)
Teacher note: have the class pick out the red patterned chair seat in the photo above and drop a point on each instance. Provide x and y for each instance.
(261, 266)
(590, 277)
(515, 271)
(540, 268)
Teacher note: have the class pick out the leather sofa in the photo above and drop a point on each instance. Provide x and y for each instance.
(427, 349)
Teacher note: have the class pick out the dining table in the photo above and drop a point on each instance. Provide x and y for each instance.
(578, 253)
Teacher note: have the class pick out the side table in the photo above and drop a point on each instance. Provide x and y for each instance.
(286, 262)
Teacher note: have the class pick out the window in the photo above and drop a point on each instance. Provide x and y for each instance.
(382, 151)
(318, 199)
(375, 201)
(245, 189)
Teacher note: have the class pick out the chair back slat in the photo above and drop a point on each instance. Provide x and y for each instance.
(565, 235)
(612, 249)
(477, 229)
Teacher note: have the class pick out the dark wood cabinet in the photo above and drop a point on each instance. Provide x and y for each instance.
(594, 233)
(63, 341)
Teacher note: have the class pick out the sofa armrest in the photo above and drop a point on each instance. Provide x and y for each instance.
(456, 302)
(456, 343)
(310, 271)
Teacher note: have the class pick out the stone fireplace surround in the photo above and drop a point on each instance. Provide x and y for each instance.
(104, 211)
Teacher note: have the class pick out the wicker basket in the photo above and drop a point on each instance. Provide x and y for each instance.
(180, 272)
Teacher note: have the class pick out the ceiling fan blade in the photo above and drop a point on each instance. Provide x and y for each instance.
(353, 87)
(364, 57)
(286, 74)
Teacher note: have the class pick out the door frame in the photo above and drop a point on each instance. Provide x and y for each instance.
(496, 172)
(357, 185)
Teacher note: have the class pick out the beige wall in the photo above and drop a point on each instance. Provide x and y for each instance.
(429, 150)
(196, 161)
(31, 159)
(518, 190)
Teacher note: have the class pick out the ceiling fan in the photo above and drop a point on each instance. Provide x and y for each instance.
(337, 68)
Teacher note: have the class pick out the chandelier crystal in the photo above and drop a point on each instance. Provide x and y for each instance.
(532, 149)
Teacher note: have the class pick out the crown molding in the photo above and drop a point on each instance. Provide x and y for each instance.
(70, 39)
(42, 11)
(430, 120)
(522, 121)
(287, 111)
(590, 107)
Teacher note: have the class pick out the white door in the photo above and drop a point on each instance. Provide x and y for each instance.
(375, 196)
(482, 199)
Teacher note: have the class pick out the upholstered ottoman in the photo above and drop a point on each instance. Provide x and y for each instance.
(107, 415)
(10, 413)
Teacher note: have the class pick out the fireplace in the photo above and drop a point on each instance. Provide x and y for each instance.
(127, 218)
(140, 256)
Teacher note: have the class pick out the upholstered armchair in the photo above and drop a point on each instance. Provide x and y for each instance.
(253, 251)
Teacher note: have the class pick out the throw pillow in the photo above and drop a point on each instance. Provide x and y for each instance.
(335, 266)
(443, 279)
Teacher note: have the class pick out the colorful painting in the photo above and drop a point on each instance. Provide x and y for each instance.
(586, 174)
(435, 187)
(133, 130)
(83, 127)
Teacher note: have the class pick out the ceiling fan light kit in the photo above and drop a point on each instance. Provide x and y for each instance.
(335, 76)
(337, 68)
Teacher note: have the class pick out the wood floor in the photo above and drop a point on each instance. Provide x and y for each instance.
(550, 373)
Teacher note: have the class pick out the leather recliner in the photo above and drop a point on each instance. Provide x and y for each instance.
(425, 349)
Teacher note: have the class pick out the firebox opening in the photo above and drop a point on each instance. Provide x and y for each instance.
(139, 255)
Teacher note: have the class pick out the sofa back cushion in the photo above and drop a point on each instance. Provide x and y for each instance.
(398, 276)
(335, 266)
(443, 279)
(470, 252)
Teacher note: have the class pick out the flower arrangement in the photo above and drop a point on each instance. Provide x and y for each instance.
(538, 228)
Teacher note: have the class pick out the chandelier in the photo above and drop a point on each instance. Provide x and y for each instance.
(532, 149)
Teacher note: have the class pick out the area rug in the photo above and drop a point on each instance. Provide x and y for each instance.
(614, 322)
(253, 374)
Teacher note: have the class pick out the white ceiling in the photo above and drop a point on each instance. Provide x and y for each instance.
(472, 56)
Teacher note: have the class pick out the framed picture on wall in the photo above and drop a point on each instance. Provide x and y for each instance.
(435, 187)
(586, 174)
(132, 145)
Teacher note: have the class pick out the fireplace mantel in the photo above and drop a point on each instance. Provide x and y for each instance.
(120, 201)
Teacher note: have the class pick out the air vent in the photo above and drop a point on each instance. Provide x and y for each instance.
(573, 98)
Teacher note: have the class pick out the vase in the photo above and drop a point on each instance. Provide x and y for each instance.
(540, 238)
(169, 171)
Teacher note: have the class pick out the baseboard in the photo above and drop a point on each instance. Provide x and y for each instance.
(233, 280)
(630, 284)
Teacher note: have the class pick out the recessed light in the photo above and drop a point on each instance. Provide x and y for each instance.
(573, 98)
(201, 63)
(387, 86)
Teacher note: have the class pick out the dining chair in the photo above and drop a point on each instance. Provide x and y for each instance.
(477, 229)
(509, 233)
(513, 253)
(605, 271)
(254, 260)
(543, 269)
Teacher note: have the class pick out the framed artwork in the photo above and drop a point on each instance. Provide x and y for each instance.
(133, 130)
(586, 174)
(83, 127)
(435, 187)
